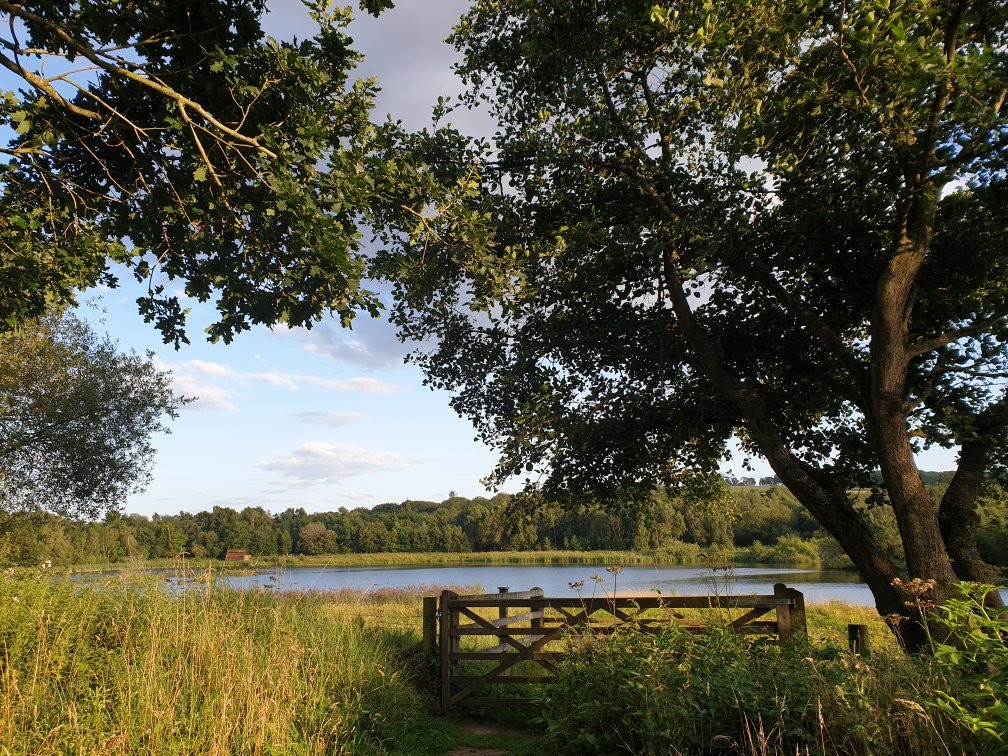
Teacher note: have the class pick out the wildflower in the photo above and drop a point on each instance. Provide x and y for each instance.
(15, 599)
(577, 585)
(614, 570)
(893, 620)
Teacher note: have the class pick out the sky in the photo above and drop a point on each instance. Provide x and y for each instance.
(325, 418)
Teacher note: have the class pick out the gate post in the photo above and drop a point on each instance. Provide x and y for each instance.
(538, 621)
(784, 626)
(798, 623)
(429, 633)
(449, 621)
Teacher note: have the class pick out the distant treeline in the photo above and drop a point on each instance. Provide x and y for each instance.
(765, 520)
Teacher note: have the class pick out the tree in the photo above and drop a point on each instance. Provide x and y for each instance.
(780, 221)
(315, 538)
(174, 137)
(76, 418)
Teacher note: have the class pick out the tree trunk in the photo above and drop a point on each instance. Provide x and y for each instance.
(915, 511)
(827, 503)
(957, 515)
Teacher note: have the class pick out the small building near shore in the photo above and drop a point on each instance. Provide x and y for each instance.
(236, 555)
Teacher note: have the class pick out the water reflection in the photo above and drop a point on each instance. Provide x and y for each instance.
(555, 580)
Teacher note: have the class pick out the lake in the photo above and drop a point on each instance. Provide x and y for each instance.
(555, 580)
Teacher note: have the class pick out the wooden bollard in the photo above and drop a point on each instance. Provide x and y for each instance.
(858, 640)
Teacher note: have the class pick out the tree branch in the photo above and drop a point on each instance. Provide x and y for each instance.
(118, 70)
(944, 339)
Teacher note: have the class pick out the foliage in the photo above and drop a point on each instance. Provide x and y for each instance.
(680, 692)
(779, 221)
(178, 139)
(76, 417)
(769, 526)
(974, 648)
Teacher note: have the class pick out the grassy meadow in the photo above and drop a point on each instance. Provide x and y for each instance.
(122, 666)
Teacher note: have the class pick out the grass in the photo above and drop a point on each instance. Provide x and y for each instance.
(122, 666)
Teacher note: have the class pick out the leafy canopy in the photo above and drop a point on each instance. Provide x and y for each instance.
(763, 155)
(176, 138)
(781, 222)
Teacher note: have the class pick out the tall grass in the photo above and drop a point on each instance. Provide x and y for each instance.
(126, 668)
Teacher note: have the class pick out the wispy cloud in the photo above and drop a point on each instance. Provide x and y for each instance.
(334, 419)
(318, 462)
(356, 495)
(371, 344)
(216, 384)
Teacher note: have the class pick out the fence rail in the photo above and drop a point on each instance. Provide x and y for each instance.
(536, 636)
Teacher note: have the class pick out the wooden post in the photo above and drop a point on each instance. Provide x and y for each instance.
(502, 613)
(446, 649)
(429, 633)
(858, 640)
(798, 623)
(784, 626)
(538, 621)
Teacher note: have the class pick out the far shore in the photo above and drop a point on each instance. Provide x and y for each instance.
(714, 559)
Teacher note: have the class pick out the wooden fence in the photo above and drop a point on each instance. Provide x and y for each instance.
(529, 629)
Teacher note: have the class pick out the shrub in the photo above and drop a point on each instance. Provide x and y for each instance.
(974, 654)
(679, 692)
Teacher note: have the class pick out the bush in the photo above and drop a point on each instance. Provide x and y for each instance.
(974, 654)
(679, 692)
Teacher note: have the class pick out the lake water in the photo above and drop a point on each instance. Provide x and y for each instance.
(555, 580)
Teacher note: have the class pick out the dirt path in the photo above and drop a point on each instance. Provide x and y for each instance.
(484, 730)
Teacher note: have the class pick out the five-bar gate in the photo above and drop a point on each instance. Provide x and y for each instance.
(527, 628)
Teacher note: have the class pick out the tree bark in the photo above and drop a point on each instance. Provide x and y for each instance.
(957, 516)
(915, 510)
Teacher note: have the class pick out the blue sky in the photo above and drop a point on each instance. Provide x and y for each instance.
(324, 418)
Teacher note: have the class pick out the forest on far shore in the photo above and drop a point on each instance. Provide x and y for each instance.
(750, 522)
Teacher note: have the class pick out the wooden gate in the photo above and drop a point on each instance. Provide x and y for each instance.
(530, 628)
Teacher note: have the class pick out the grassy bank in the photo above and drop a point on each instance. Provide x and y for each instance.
(677, 554)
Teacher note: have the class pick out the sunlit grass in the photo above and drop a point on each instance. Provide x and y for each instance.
(125, 668)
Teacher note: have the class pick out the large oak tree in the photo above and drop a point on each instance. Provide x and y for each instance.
(777, 221)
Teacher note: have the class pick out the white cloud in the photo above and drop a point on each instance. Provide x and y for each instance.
(372, 343)
(361, 385)
(335, 419)
(355, 495)
(215, 384)
(318, 462)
